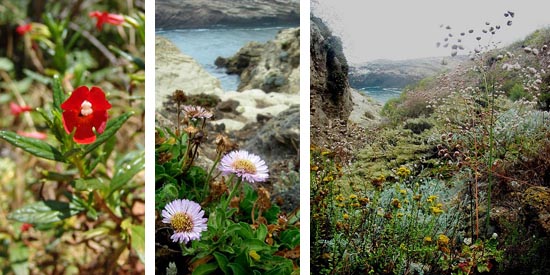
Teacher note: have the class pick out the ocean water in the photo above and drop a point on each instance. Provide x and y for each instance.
(205, 45)
(381, 95)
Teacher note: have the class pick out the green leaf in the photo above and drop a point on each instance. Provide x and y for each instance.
(205, 269)
(222, 262)
(261, 232)
(38, 77)
(43, 212)
(281, 269)
(126, 170)
(138, 240)
(243, 230)
(291, 237)
(58, 95)
(110, 130)
(6, 64)
(138, 61)
(34, 146)
(237, 269)
(54, 176)
(90, 184)
(19, 255)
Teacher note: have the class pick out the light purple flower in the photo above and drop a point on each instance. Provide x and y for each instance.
(248, 167)
(195, 112)
(186, 218)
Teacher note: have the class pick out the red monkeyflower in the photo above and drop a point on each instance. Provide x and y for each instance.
(22, 29)
(25, 227)
(84, 110)
(105, 17)
(16, 109)
(37, 135)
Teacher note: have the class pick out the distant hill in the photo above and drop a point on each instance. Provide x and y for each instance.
(185, 14)
(398, 74)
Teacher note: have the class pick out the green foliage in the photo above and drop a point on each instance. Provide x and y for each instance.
(246, 234)
(518, 92)
(65, 194)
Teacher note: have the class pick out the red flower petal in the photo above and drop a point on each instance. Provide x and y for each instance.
(17, 109)
(84, 124)
(115, 19)
(99, 121)
(22, 29)
(25, 227)
(74, 102)
(105, 17)
(98, 100)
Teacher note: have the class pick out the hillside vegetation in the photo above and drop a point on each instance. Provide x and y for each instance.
(456, 180)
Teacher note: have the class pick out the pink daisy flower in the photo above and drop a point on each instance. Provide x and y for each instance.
(195, 112)
(186, 218)
(248, 167)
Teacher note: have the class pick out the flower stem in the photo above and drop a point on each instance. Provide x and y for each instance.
(232, 193)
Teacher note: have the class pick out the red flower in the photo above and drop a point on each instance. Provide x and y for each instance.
(25, 227)
(105, 17)
(37, 135)
(16, 109)
(85, 109)
(22, 29)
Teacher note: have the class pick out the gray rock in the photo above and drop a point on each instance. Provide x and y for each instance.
(272, 67)
(171, 14)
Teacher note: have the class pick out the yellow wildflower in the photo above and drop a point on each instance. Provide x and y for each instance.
(427, 239)
(436, 210)
(443, 240)
(346, 216)
(352, 196)
(403, 172)
(254, 255)
(431, 198)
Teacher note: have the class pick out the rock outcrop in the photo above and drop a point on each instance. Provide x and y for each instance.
(271, 67)
(186, 14)
(329, 87)
(175, 70)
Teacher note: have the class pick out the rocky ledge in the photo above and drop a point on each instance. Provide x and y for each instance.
(272, 67)
(266, 124)
(172, 14)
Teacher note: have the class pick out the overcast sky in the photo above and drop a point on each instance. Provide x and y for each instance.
(403, 29)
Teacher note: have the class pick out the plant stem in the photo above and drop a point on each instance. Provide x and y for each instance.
(232, 193)
(207, 183)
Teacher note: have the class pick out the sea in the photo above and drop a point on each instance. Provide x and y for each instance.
(205, 45)
(380, 94)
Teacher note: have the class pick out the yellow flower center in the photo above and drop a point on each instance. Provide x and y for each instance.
(246, 165)
(86, 108)
(181, 222)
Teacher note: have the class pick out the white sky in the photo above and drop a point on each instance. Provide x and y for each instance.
(403, 29)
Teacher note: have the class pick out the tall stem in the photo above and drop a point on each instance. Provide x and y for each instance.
(232, 193)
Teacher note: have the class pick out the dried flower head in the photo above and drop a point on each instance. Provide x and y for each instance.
(191, 130)
(179, 97)
(224, 144)
(263, 202)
